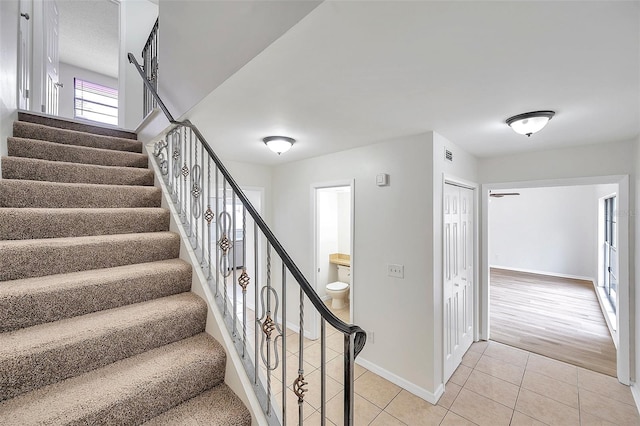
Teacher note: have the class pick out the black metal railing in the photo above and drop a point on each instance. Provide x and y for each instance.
(150, 69)
(223, 226)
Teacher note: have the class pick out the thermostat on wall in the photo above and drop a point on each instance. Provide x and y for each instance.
(382, 179)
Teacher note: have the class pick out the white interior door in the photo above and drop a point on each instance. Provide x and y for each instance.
(51, 37)
(25, 47)
(458, 255)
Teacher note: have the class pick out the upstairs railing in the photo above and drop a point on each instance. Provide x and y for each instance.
(246, 266)
(150, 69)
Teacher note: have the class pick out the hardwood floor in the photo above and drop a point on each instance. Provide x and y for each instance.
(556, 317)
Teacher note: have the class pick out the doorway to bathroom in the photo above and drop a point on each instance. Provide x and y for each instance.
(333, 218)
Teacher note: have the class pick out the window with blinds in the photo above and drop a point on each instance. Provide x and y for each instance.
(95, 102)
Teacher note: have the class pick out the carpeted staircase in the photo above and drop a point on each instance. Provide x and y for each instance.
(97, 321)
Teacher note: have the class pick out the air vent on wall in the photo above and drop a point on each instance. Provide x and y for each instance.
(448, 155)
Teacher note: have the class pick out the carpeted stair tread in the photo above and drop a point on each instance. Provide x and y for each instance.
(41, 132)
(218, 406)
(61, 171)
(32, 301)
(35, 258)
(32, 148)
(31, 193)
(67, 348)
(63, 123)
(129, 391)
(38, 223)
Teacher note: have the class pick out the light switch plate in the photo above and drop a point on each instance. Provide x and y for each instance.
(382, 179)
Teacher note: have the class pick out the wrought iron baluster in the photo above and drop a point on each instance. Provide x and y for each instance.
(235, 263)
(243, 281)
(196, 192)
(268, 327)
(255, 291)
(217, 234)
(208, 216)
(299, 383)
(284, 344)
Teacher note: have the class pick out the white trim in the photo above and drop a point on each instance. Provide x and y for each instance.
(635, 392)
(147, 119)
(456, 181)
(624, 325)
(314, 237)
(545, 273)
(403, 383)
(607, 312)
(235, 375)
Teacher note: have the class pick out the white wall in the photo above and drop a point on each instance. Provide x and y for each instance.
(9, 15)
(208, 41)
(393, 224)
(547, 230)
(463, 169)
(327, 208)
(344, 222)
(136, 20)
(67, 74)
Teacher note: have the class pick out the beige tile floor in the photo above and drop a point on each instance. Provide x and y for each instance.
(495, 385)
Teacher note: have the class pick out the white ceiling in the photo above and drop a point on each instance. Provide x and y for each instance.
(89, 35)
(355, 73)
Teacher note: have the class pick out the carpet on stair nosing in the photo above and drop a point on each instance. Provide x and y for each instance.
(38, 300)
(39, 223)
(65, 172)
(128, 391)
(70, 347)
(27, 130)
(28, 193)
(62, 123)
(43, 150)
(32, 258)
(218, 406)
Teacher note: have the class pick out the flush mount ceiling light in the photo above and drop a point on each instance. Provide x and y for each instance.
(530, 122)
(279, 144)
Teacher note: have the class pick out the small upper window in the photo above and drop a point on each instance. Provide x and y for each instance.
(95, 102)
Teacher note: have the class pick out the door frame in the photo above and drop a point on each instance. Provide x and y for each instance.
(315, 328)
(463, 183)
(625, 304)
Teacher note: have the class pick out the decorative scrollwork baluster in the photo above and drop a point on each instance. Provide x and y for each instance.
(268, 344)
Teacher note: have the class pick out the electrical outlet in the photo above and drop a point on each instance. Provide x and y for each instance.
(396, 271)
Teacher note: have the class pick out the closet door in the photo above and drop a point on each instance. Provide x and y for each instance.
(458, 254)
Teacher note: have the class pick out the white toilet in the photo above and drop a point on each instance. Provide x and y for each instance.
(339, 290)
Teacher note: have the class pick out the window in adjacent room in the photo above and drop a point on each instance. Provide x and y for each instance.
(95, 102)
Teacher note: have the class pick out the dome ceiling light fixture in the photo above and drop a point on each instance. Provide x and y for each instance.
(279, 144)
(530, 122)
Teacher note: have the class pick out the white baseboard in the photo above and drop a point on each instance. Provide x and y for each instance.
(546, 273)
(431, 397)
(635, 391)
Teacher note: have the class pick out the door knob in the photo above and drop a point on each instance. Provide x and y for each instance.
(456, 284)
(61, 85)
(25, 16)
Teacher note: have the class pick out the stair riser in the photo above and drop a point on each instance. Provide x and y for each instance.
(57, 171)
(24, 261)
(64, 361)
(71, 137)
(18, 193)
(23, 224)
(28, 308)
(74, 154)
